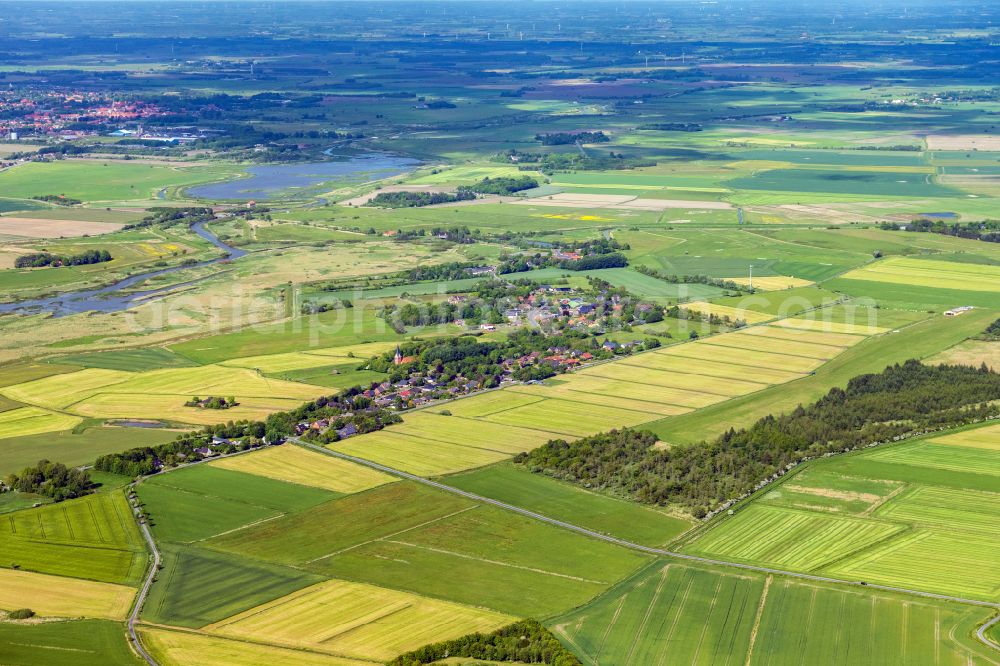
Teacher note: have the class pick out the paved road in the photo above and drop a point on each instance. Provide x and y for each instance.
(140, 598)
(656, 551)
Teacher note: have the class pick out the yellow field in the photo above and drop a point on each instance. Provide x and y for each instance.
(32, 420)
(654, 410)
(665, 360)
(61, 391)
(563, 417)
(749, 316)
(971, 352)
(171, 407)
(182, 648)
(756, 342)
(56, 596)
(298, 465)
(978, 438)
(771, 283)
(159, 394)
(417, 455)
(470, 432)
(670, 396)
(829, 326)
(488, 403)
(798, 335)
(694, 382)
(362, 351)
(357, 620)
(938, 274)
(311, 358)
(742, 358)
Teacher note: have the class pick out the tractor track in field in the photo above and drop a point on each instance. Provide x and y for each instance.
(980, 633)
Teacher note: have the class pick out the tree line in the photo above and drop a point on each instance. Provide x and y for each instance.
(901, 401)
(40, 259)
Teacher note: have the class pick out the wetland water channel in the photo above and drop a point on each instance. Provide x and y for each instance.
(111, 298)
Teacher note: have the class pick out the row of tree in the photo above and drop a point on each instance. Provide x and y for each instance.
(40, 259)
(901, 401)
(987, 230)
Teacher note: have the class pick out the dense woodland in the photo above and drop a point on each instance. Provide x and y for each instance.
(900, 401)
(526, 642)
(564, 138)
(417, 199)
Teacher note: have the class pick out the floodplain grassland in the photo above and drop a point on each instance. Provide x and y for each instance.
(69, 643)
(180, 648)
(564, 501)
(58, 596)
(296, 464)
(94, 537)
(356, 620)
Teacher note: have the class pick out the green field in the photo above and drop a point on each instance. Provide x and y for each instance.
(72, 448)
(102, 181)
(683, 614)
(197, 586)
(418, 533)
(71, 643)
(94, 537)
(200, 502)
(563, 501)
(132, 360)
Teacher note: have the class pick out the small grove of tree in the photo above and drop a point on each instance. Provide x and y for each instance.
(595, 261)
(39, 259)
(211, 402)
(58, 199)
(901, 401)
(987, 230)
(502, 186)
(21, 614)
(563, 138)
(527, 642)
(51, 479)
(417, 199)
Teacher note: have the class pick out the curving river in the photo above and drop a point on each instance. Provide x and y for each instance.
(108, 299)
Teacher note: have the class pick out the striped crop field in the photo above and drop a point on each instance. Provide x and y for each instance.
(311, 358)
(155, 394)
(800, 540)
(670, 362)
(655, 378)
(736, 314)
(671, 614)
(181, 648)
(471, 432)
(742, 358)
(929, 273)
(928, 453)
(357, 620)
(93, 537)
(569, 418)
(417, 455)
(33, 421)
(488, 403)
(298, 465)
(871, 628)
(946, 508)
(824, 326)
(761, 342)
(635, 391)
(566, 392)
(697, 615)
(58, 596)
(959, 563)
(827, 338)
